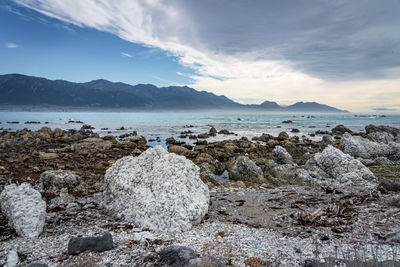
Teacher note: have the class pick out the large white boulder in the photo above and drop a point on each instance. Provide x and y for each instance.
(24, 208)
(156, 190)
(340, 168)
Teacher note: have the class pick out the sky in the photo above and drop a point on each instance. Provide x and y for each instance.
(341, 53)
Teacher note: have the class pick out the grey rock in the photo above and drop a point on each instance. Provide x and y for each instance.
(282, 156)
(12, 258)
(326, 141)
(358, 146)
(102, 243)
(381, 137)
(58, 179)
(158, 190)
(389, 186)
(395, 132)
(24, 208)
(205, 261)
(342, 168)
(37, 264)
(393, 237)
(244, 169)
(177, 256)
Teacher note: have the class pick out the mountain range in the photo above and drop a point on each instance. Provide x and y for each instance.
(23, 90)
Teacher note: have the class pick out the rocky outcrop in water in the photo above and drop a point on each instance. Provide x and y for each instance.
(158, 190)
(24, 208)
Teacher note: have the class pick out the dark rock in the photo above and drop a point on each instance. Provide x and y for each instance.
(226, 132)
(177, 256)
(203, 135)
(341, 129)
(172, 141)
(102, 243)
(32, 122)
(192, 136)
(201, 142)
(36, 265)
(87, 127)
(287, 121)
(239, 119)
(389, 186)
(373, 129)
(322, 132)
(213, 131)
(283, 136)
(295, 130)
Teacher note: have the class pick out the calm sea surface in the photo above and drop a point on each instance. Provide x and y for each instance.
(166, 124)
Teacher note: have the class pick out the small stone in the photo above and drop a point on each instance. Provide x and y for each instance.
(37, 264)
(12, 259)
(102, 243)
(177, 256)
(47, 156)
(389, 186)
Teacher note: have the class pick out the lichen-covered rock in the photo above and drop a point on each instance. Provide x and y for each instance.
(326, 141)
(358, 146)
(333, 164)
(58, 179)
(386, 131)
(244, 169)
(24, 208)
(282, 156)
(157, 190)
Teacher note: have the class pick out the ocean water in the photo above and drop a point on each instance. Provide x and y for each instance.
(167, 124)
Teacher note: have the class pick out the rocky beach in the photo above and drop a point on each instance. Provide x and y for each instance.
(75, 198)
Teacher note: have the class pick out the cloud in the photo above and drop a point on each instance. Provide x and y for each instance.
(277, 50)
(385, 109)
(126, 54)
(11, 45)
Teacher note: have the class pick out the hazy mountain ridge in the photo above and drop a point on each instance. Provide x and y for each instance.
(17, 89)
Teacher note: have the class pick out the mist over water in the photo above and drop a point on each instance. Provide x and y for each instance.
(167, 124)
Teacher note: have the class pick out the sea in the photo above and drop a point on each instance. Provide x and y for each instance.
(157, 126)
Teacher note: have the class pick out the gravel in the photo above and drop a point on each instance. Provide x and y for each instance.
(136, 246)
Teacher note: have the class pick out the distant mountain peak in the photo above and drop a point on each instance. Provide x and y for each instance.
(19, 89)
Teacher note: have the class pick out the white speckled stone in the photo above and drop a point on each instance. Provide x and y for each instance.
(24, 208)
(158, 190)
(342, 168)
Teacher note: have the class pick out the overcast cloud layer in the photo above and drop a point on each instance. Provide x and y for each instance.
(342, 53)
